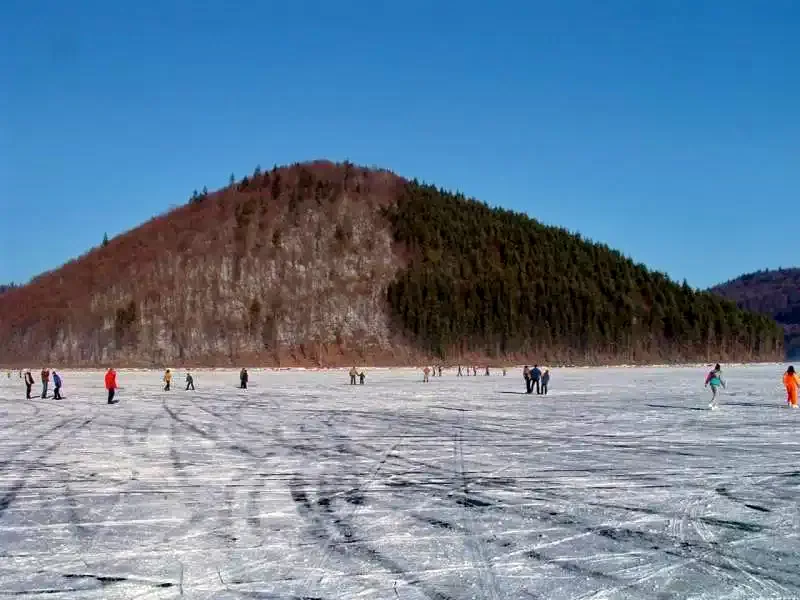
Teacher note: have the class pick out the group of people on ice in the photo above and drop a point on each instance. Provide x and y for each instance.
(474, 371)
(355, 373)
(714, 381)
(535, 378)
(45, 376)
(168, 380)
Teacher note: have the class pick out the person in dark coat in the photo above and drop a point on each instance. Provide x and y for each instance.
(526, 375)
(189, 381)
(536, 376)
(28, 384)
(243, 377)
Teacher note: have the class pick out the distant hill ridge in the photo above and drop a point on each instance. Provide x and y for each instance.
(772, 292)
(327, 263)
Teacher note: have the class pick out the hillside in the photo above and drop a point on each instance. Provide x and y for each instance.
(775, 293)
(324, 263)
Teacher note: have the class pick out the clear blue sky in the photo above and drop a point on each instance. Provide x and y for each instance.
(670, 130)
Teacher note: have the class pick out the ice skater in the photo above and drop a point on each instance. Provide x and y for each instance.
(714, 380)
(361, 377)
(189, 381)
(167, 380)
(111, 384)
(425, 372)
(56, 386)
(791, 382)
(460, 374)
(440, 370)
(243, 377)
(526, 375)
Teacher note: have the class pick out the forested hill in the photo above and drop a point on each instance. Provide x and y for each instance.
(490, 280)
(772, 292)
(330, 264)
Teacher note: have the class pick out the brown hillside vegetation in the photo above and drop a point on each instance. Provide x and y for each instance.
(328, 264)
(288, 266)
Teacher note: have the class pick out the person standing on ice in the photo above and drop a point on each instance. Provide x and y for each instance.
(545, 381)
(167, 380)
(460, 374)
(28, 384)
(361, 377)
(440, 370)
(189, 381)
(425, 372)
(243, 377)
(56, 386)
(45, 381)
(526, 375)
(111, 384)
(791, 382)
(353, 375)
(536, 375)
(714, 380)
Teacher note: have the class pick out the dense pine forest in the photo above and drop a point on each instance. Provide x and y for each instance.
(497, 282)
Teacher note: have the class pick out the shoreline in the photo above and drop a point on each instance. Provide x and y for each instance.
(494, 370)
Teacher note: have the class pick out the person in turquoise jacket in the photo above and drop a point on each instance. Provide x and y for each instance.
(714, 380)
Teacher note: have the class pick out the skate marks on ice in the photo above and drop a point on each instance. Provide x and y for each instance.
(305, 488)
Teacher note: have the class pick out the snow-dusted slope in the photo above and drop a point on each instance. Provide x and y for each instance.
(619, 484)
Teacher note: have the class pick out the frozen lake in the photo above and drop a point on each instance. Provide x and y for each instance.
(619, 484)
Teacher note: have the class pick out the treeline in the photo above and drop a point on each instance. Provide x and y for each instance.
(494, 281)
(7, 287)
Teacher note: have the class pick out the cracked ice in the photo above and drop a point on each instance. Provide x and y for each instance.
(618, 484)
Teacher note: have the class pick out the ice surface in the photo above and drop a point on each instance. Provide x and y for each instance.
(619, 484)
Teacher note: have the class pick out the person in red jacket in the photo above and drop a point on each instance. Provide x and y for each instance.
(111, 384)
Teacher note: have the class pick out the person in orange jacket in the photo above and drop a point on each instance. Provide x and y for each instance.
(791, 382)
(111, 384)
